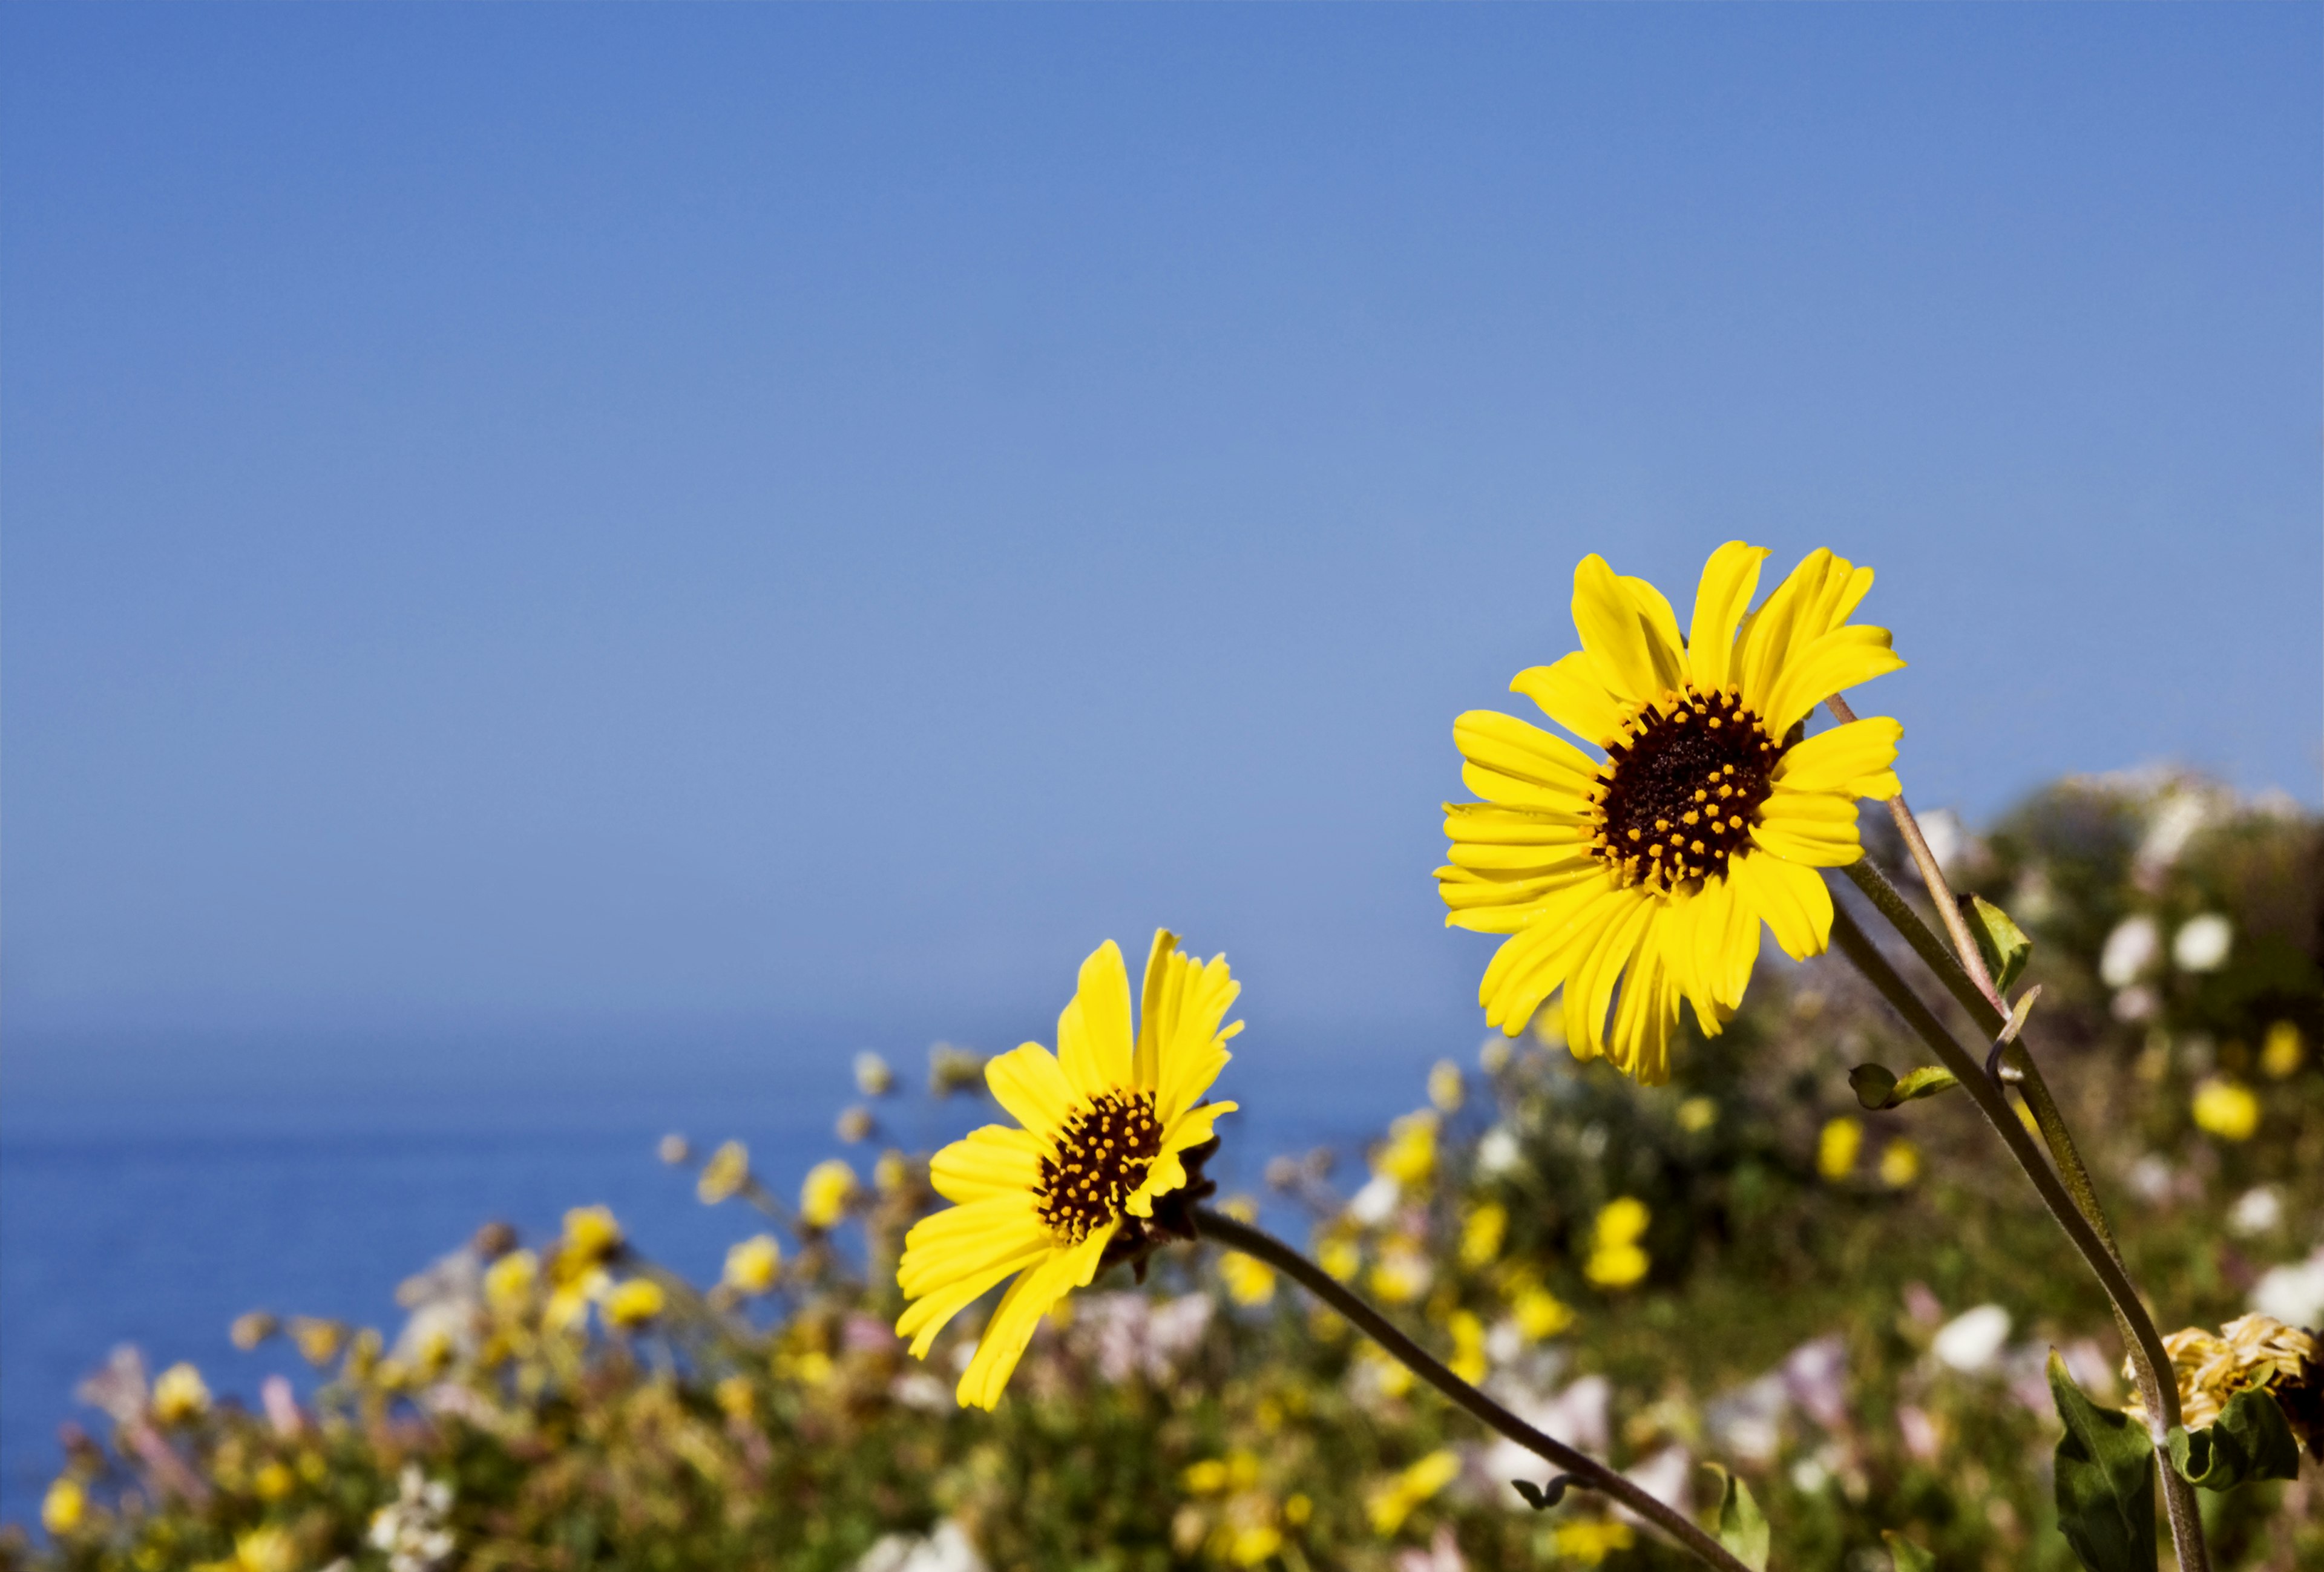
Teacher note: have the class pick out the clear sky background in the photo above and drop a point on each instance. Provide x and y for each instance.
(593, 526)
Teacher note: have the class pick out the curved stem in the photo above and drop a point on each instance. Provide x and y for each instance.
(2158, 1383)
(1586, 1471)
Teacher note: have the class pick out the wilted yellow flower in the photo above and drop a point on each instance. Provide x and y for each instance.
(725, 1175)
(1387, 1505)
(1248, 1282)
(1408, 1156)
(1103, 1127)
(1482, 1233)
(634, 1302)
(2227, 1108)
(1654, 868)
(2280, 1051)
(1402, 1274)
(1900, 1163)
(591, 1236)
(1539, 1313)
(754, 1266)
(251, 1329)
(64, 1507)
(872, 1076)
(1444, 1088)
(1468, 1361)
(1616, 1260)
(320, 1341)
(180, 1395)
(1590, 1540)
(1837, 1146)
(1697, 1114)
(2255, 1351)
(824, 1193)
(508, 1281)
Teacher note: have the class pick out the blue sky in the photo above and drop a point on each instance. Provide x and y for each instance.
(601, 520)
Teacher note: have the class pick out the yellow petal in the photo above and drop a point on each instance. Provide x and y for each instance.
(1570, 693)
(1189, 1059)
(1792, 900)
(1662, 642)
(1027, 1082)
(1157, 1007)
(1572, 800)
(1729, 579)
(1518, 747)
(994, 1159)
(1190, 1128)
(1853, 760)
(1535, 960)
(1618, 640)
(1590, 989)
(1020, 1313)
(925, 1318)
(1093, 1040)
(964, 1240)
(1834, 663)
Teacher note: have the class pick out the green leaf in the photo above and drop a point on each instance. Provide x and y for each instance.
(1741, 1529)
(2249, 1441)
(2104, 1481)
(2003, 945)
(1907, 1555)
(1876, 1089)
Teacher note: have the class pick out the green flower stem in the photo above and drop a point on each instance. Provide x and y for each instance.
(1583, 1469)
(2158, 1394)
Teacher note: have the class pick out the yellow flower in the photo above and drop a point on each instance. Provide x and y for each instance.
(180, 1395)
(635, 1303)
(320, 1341)
(1590, 1541)
(591, 1236)
(872, 1076)
(1697, 1114)
(1388, 1504)
(1468, 1361)
(824, 1193)
(274, 1480)
(1408, 1156)
(508, 1281)
(1444, 1088)
(251, 1329)
(1104, 1123)
(2251, 1351)
(1340, 1257)
(1540, 1313)
(1390, 1377)
(2281, 1050)
(1482, 1233)
(2227, 1108)
(752, 1265)
(891, 1173)
(1297, 1510)
(569, 1305)
(1900, 1163)
(1402, 1274)
(64, 1507)
(1248, 1282)
(1655, 868)
(1837, 1146)
(737, 1399)
(261, 1549)
(725, 1174)
(1616, 1260)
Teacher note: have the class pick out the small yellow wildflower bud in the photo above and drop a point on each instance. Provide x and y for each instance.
(737, 1399)
(1408, 1156)
(822, 1199)
(274, 1480)
(725, 1175)
(1339, 1256)
(754, 1266)
(251, 1329)
(854, 1125)
(634, 1302)
(1206, 1477)
(1837, 1147)
(591, 1233)
(1297, 1510)
(1697, 1114)
(1482, 1233)
(1402, 1274)
(1900, 1163)
(320, 1341)
(872, 1076)
(64, 1507)
(1247, 1281)
(891, 1173)
(1540, 1313)
(1590, 1541)
(1468, 1361)
(1445, 1087)
(508, 1281)
(1616, 1260)
(1388, 1504)
(180, 1395)
(2227, 1108)
(2280, 1051)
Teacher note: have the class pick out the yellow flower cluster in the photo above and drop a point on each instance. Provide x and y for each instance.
(1616, 1260)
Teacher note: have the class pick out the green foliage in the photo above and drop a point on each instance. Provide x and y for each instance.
(1742, 1527)
(1878, 1089)
(1904, 1556)
(2104, 1481)
(2250, 1439)
(2001, 942)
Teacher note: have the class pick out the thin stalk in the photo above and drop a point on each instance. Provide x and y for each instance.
(1584, 1469)
(2158, 1387)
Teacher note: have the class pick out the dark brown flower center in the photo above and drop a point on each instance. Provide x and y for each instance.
(1680, 789)
(1103, 1152)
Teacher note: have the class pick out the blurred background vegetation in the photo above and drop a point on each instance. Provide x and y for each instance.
(1849, 1309)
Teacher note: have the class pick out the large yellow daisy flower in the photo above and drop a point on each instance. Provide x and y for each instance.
(1106, 1125)
(1655, 866)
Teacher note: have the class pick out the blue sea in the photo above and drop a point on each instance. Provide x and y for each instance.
(157, 1223)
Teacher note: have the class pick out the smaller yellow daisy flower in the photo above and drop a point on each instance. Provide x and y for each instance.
(1444, 1086)
(2227, 1108)
(1106, 1125)
(64, 1507)
(320, 1341)
(1409, 1154)
(508, 1281)
(1616, 1260)
(1539, 1313)
(634, 1303)
(754, 1266)
(591, 1236)
(1837, 1147)
(180, 1395)
(1482, 1233)
(829, 1186)
(1900, 1163)
(1388, 1504)
(725, 1175)
(1590, 1541)
(1248, 1282)
(2281, 1050)
(1468, 1361)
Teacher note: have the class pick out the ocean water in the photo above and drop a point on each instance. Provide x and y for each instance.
(156, 1224)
